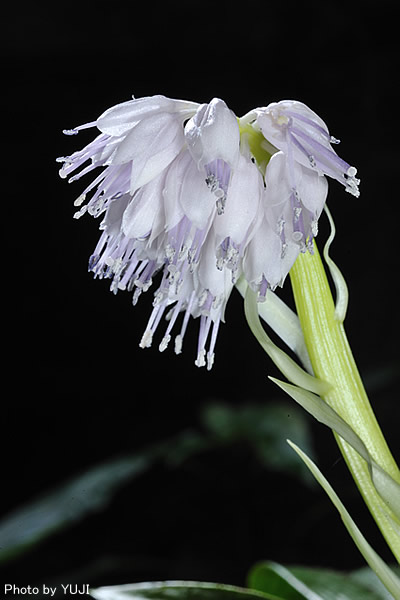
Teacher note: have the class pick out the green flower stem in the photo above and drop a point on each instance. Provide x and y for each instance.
(332, 361)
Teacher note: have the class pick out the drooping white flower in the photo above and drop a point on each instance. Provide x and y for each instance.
(138, 140)
(304, 138)
(294, 210)
(288, 226)
(186, 197)
(213, 137)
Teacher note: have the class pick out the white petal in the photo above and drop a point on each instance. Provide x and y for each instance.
(242, 203)
(273, 119)
(172, 190)
(311, 187)
(113, 218)
(107, 153)
(195, 197)
(313, 190)
(218, 282)
(213, 132)
(264, 248)
(142, 213)
(151, 146)
(278, 119)
(278, 190)
(263, 257)
(277, 181)
(121, 118)
(271, 131)
(291, 253)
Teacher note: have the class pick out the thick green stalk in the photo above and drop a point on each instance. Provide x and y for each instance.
(332, 361)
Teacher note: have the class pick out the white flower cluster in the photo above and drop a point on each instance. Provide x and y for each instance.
(182, 193)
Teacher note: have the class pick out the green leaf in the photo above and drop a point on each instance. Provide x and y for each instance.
(270, 577)
(66, 504)
(292, 371)
(385, 574)
(368, 578)
(70, 502)
(303, 583)
(283, 320)
(342, 293)
(262, 427)
(387, 488)
(179, 590)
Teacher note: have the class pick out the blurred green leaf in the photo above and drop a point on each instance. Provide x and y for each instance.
(303, 583)
(368, 578)
(267, 581)
(265, 428)
(67, 504)
(187, 444)
(178, 590)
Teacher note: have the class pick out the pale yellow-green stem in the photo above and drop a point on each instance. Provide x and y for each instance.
(332, 361)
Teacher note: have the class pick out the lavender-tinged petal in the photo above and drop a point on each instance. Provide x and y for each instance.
(293, 128)
(218, 177)
(172, 190)
(141, 214)
(313, 190)
(113, 218)
(324, 151)
(278, 186)
(121, 118)
(151, 146)
(207, 275)
(267, 259)
(195, 198)
(297, 110)
(264, 248)
(316, 129)
(243, 202)
(213, 132)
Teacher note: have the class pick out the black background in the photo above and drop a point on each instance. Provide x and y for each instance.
(77, 389)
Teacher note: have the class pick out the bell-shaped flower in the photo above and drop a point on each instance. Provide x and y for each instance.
(186, 193)
(213, 132)
(288, 225)
(120, 119)
(139, 139)
(213, 286)
(212, 136)
(242, 212)
(294, 206)
(304, 138)
(267, 262)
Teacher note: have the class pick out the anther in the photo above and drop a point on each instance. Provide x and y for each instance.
(164, 343)
(312, 160)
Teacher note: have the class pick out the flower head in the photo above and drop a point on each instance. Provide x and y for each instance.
(199, 197)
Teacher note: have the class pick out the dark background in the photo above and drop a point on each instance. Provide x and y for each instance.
(77, 389)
